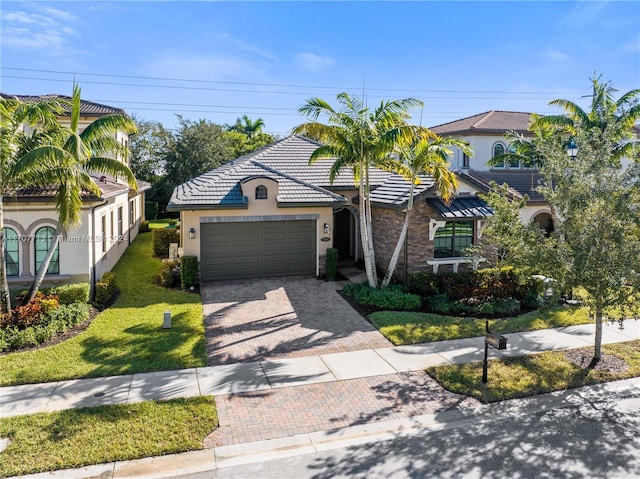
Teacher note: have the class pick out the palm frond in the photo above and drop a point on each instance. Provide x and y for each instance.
(112, 167)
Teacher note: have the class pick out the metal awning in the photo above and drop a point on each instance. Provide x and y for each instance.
(459, 208)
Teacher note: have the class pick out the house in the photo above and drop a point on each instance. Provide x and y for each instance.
(108, 223)
(272, 213)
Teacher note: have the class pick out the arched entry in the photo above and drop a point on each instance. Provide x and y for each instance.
(545, 221)
(345, 232)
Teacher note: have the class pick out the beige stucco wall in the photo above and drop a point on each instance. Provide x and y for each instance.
(259, 209)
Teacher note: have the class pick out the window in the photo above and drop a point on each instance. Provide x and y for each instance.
(132, 212)
(498, 149)
(119, 223)
(11, 251)
(261, 192)
(465, 160)
(104, 234)
(113, 228)
(451, 240)
(43, 240)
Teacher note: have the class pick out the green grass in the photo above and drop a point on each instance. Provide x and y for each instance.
(413, 328)
(159, 223)
(95, 435)
(529, 375)
(127, 337)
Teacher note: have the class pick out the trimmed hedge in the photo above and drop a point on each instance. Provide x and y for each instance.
(55, 322)
(161, 239)
(394, 297)
(106, 290)
(189, 271)
(166, 275)
(144, 227)
(331, 264)
(72, 293)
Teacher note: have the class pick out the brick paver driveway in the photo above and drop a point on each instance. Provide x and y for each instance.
(250, 320)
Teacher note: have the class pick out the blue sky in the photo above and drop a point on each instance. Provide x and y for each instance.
(221, 60)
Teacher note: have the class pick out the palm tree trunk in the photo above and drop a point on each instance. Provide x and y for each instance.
(37, 282)
(369, 221)
(364, 232)
(393, 262)
(5, 294)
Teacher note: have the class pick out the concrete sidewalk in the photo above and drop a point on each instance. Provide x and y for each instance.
(273, 374)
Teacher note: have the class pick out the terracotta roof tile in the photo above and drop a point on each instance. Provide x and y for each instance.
(490, 122)
(87, 108)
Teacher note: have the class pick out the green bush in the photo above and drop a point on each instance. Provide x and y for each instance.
(151, 209)
(189, 271)
(161, 239)
(106, 290)
(55, 322)
(166, 275)
(72, 293)
(331, 264)
(144, 227)
(394, 297)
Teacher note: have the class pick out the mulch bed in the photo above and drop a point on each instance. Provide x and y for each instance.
(583, 358)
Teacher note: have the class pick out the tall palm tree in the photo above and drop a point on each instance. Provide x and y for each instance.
(606, 113)
(248, 127)
(425, 154)
(70, 160)
(358, 138)
(23, 126)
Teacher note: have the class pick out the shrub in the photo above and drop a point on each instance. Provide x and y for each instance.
(34, 311)
(189, 271)
(144, 227)
(331, 264)
(72, 293)
(161, 239)
(394, 297)
(151, 209)
(56, 322)
(166, 274)
(106, 290)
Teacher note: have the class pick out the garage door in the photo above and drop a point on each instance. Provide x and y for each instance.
(257, 249)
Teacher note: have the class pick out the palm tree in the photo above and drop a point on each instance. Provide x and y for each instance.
(248, 127)
(425, 154)
(70, 160)
(618, 116)
(23, 126)
(358, 138)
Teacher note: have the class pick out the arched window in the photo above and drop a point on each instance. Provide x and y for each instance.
(498, 149)
(11, 251)
(43, 239)
(261, 192)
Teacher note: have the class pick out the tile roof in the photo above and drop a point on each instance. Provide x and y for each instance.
(395, 191)
(87, 108)
(286, 161)
(108, 188)
(522, 181)
(462, 207)
(489, 122)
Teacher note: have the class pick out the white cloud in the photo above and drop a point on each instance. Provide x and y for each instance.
(312, 62)
(213, 67)
(557, 56)
(32, 31)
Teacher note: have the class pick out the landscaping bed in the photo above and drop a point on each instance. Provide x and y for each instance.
(540, 373)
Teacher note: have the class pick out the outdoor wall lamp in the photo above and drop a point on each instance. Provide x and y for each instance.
(326, 228)
(572, 148)
(192, 233)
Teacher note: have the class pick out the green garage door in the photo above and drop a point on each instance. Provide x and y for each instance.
(257, 249)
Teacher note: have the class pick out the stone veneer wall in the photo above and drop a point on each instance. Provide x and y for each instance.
(387, 224)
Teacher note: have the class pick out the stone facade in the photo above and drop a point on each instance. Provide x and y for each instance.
(387, 224)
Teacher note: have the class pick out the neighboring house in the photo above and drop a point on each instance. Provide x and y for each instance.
(485, 133)
(271, 213)
(108, 224)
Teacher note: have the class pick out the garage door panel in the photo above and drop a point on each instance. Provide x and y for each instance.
(254, 249)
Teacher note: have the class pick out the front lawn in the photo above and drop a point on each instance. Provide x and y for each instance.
(413, 328)
(536, 374)
(127, 337)
(95, 435)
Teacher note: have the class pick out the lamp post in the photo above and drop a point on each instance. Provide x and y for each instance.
(572, 148)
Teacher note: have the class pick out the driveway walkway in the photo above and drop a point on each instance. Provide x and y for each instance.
(281, 318)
